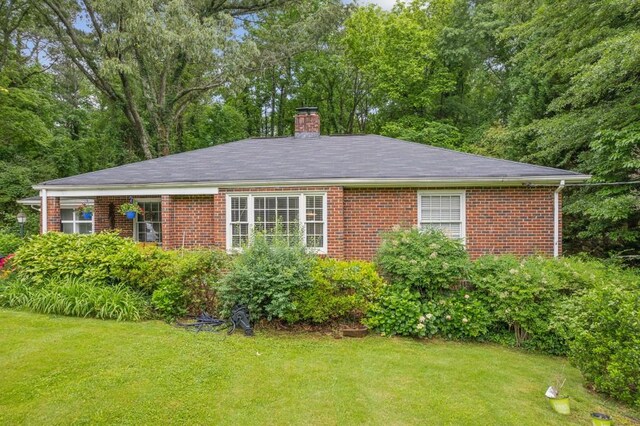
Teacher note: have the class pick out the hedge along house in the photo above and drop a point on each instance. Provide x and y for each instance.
(343, 191)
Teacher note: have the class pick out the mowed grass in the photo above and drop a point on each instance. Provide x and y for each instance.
(58, 370)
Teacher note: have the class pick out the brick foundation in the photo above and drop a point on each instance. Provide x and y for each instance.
(514, 220)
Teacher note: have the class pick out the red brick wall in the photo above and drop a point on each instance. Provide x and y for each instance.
(510, 220)
(107, 218)
(53, 214)
(498, 220)
(371, 211)
(188, 220)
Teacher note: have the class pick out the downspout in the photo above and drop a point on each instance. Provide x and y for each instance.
(556, 219)
(43, 209)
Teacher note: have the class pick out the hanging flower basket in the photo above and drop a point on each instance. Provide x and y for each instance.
(85, 210)
(130, 210)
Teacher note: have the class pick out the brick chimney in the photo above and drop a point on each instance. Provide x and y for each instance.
(307, 123)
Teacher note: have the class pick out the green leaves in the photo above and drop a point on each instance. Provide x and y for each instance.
(397, 51)
(424, 261)
(340, 291)
(9, 243)
(265, 275)
(605, 344)
(75, 297)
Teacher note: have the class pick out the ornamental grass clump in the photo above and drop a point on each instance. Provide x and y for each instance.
(76, 297)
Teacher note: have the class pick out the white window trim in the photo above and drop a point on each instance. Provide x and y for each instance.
(463, 208)
(136, 222)
(302, 206)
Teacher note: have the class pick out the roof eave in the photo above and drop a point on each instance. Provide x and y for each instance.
(202, 188)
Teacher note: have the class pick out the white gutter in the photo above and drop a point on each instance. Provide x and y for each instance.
(201, 188)
(556, 219)
(125, 190)
(44, 210)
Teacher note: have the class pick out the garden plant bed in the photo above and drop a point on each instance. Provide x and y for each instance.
(60, 370)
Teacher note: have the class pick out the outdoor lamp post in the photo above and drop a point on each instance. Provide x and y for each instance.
(22, 219)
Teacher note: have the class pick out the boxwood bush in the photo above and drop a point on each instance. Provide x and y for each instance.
(340, 291)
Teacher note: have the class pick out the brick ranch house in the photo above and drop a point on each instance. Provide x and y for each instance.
(343, 191)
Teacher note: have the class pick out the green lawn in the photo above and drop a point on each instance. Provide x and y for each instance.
(58, 370)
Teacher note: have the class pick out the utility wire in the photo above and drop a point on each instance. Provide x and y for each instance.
(637, 182)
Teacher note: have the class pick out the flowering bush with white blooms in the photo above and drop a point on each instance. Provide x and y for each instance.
(426, 261)
(458, 315)
(398, 312)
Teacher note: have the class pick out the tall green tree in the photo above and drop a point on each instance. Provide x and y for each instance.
(573, 80)
(152, 59)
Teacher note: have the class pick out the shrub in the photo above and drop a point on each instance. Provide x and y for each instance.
(459, 315)
(532, 296)
(104, 258)
(9, 243)
(141, 267)
(397, 313)
(170, 299)
(191, 285)
(339, 291)
(604, 326)
(524, 296)
(76, 297)
(426, 261)
(266, 274)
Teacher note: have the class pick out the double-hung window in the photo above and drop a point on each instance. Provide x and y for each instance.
(442, 210)
(293, 215)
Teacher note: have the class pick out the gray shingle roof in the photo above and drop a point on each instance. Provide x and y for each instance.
(367, 157)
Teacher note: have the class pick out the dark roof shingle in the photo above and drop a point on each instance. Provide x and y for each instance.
(367, 157)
